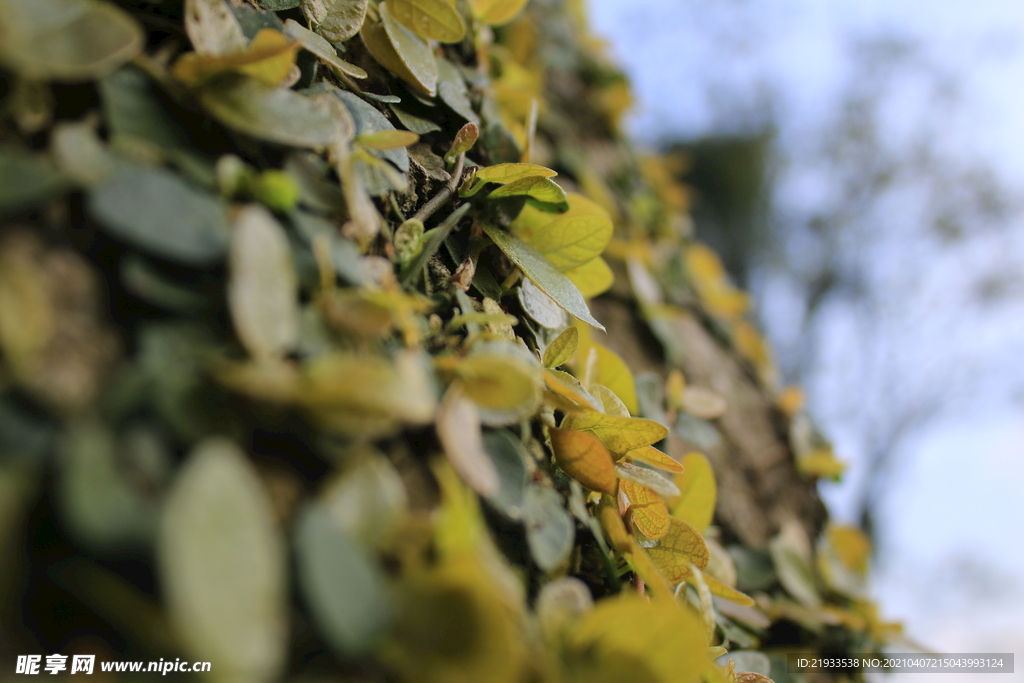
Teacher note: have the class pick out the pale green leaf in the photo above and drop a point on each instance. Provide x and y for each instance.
(222, 565)
(432, 19)
(547, 278)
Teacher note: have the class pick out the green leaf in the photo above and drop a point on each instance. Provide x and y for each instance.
(414, 53)
(156, 210)
(509, 173)
(322, 48)
(367, 501)
(432, 19)
(550, 531)
(561, 350)
(369, 120)
(510, 463)
(343, 587)
(335, 20)
(417, 124)
(535, 187)
(274, 114)
(279, 5)
(568, 240)
(540, 306)
(263, 290)
(66, 40)
(496, 12)
(223, 567)
(26, 178)
(99, 502)
(543, 274)
(451, 88)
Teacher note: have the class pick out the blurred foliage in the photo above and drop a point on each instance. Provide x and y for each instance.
(299, 373)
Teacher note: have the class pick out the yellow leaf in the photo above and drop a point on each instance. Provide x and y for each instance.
(568, 239)
(268, 58)
(566, 392)
(647, 510)
(681, 546)
(592, 278)
(458, 430)
(360, 394)
(562, 348)
(584, 458)
(432, 19)
(627, 638)
(612, 405)
(723, 591)
(619, 434)
(790, 400)
(496, 12)
(820, 462)
(614, 528)
(455, 627)
(504, 386)
(387, 139)
(697, 491)
(507, 173)
(851, 546)
(652, 456)
(609, 369)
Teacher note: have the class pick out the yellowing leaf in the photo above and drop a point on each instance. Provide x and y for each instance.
(611, 403)
(455, 627)
(681, 546)
(381, 47)
(505, 386)
(619, 434)
(652, 456)
(609, 369)
(562, 348)
(569, 239)
(584, 458)
(592, 278)
(508, 173)
(362, 394)
(567, 393)
(387, 139)
(534, 187)
(628, 638)
(496, 12)
(790, 400)
(697, 491)
(432, 19)
(723, 591)
(458, 430)
(269, 58)
(648, 511)
(542, 273)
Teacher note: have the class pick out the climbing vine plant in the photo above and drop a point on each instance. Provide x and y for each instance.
(302, 372)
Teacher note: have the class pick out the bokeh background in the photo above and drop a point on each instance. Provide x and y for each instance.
(861, 165)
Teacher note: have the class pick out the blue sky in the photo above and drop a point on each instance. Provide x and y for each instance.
(922, 351)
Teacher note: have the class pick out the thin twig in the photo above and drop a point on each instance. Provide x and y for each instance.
(446, 192)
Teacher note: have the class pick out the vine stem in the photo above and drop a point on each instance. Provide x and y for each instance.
(446, 192)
